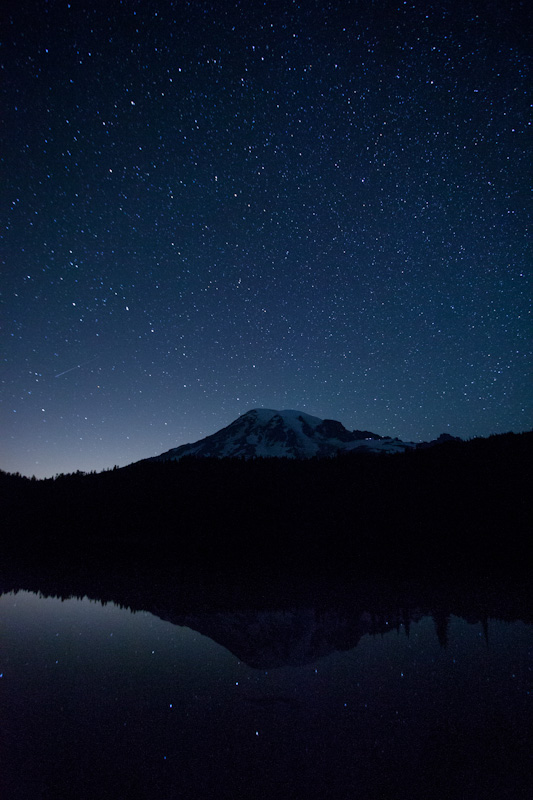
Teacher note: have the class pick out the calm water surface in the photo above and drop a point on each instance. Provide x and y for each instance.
(99, 702)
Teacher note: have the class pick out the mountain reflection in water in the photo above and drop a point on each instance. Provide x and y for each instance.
(362, 693)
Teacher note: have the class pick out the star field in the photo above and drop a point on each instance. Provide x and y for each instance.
(208, 208)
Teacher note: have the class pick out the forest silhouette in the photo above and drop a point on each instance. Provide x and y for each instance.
(458, 508)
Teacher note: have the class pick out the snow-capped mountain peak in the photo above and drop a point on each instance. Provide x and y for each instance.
(266, 432)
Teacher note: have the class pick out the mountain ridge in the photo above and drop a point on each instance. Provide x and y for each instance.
(289, 433)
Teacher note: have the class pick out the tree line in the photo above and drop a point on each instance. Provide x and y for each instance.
(456, 507)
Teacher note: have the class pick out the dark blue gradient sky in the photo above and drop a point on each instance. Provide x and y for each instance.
(208, 207)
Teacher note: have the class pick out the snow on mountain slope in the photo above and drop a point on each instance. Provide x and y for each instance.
(265, 432)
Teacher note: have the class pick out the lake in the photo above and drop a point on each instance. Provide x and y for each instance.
(305, 702)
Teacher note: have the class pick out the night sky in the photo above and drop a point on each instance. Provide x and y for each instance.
(210, 207)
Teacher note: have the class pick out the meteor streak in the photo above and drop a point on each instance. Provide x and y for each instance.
(76, 366)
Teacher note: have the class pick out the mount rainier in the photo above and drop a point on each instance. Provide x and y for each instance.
(264, 432)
